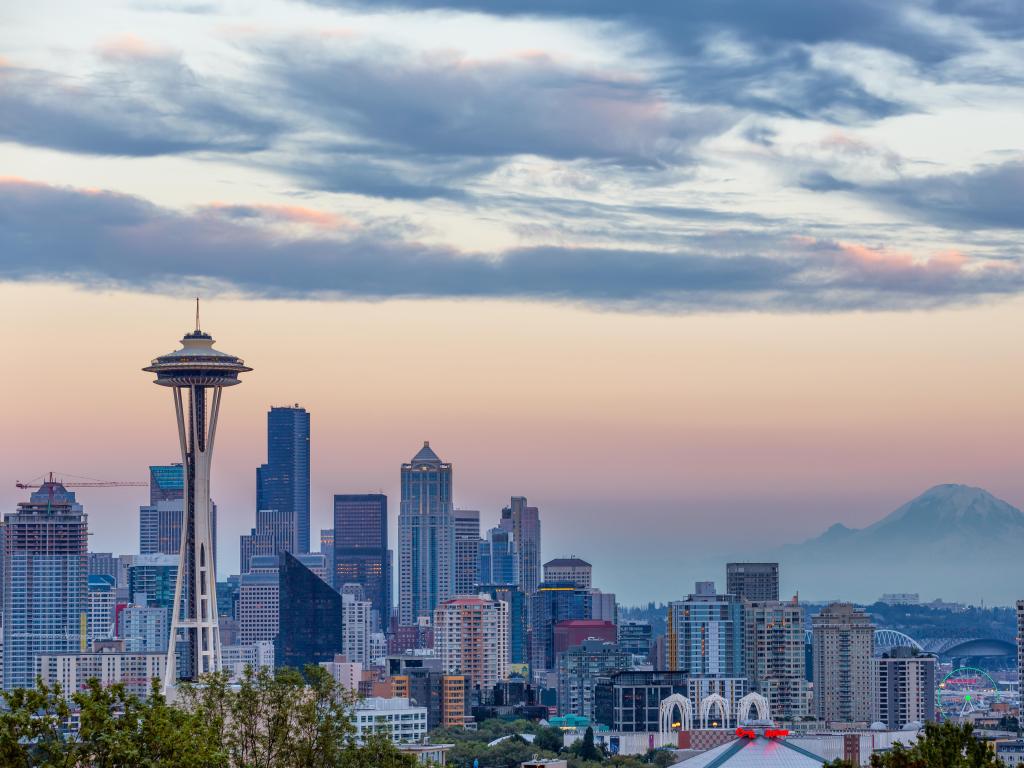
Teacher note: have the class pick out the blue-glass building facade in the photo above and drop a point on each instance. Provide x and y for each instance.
(553, 602)
(309, 616)
(426, 536)
(499, 561)
(283, 482)
(45, 570)
(705, 634)
(518, 634)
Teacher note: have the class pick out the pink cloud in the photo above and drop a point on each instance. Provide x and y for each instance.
(129, 46)
(288, 214)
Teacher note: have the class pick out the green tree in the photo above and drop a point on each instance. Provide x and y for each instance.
(948, 745)
(588, 751)
(549, 739)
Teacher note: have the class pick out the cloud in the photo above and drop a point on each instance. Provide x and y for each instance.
(143, 101)
(446, 105)
(107, 239)
(989, 197)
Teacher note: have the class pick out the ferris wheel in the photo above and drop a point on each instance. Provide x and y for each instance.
(966, 690)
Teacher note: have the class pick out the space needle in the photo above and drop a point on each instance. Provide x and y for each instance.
(196, 374)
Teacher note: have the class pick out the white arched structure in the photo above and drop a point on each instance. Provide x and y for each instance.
(714, 701)
(758, 702)
(665, 716)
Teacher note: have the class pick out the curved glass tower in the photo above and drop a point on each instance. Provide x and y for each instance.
(196, 374)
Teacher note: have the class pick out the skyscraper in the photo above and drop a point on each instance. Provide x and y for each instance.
(524, 522)
(160, 521)
(844, 644)
(309, 617)
(467, 551)
(426, 536)
(572, 569)
(752, 581)
(44, 570)
(196, 374)
(361, 548)
(274, 533)
(551, 603)
(283, 482)
(579, 669)
(499, 562)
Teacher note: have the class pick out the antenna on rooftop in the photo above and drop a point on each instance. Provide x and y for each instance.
(197, 314)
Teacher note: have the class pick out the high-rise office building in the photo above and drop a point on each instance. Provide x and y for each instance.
(426, 537)
(259, 595)
(197, 375)
(467, 551)
(327, 550)
(309, 617)
(45, 565)
(752, 581)
(274, 533)
(705, 634)
(844, 644)
(572, 569)
(580, 668)
(552, 603)
(499, 561)
(524, 522)
(283, 482)
(775, 662)
(160, 521)
(361, 554)
(904, 688)
(471, 637)
(630, 701)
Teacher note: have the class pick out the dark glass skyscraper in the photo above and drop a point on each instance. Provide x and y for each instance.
(283, 482)
(361, 548)
(309, 617)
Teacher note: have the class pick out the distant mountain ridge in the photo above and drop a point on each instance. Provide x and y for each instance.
(957, 541)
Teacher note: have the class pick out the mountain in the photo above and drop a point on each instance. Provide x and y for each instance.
(953, 541)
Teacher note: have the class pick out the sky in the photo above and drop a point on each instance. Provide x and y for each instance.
(701, 277)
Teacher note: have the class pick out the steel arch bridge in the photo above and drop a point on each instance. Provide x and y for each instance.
(887, 639)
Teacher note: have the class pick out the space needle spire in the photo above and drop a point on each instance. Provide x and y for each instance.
(197, 373)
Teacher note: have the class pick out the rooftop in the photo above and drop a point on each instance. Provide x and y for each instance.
(567, 562)
(756, 752)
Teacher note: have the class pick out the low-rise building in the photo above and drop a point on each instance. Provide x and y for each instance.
(136, 671)
(235, 658)
(401, 721)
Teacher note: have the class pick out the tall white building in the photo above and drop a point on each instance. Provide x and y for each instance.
(356, 623)
(471, 637)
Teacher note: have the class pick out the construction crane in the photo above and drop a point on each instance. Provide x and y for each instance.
(84, 483)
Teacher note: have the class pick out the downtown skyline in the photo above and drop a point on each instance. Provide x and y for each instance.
(484, 479)
(726, 274)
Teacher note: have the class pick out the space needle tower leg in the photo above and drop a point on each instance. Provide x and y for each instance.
(197, 374)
